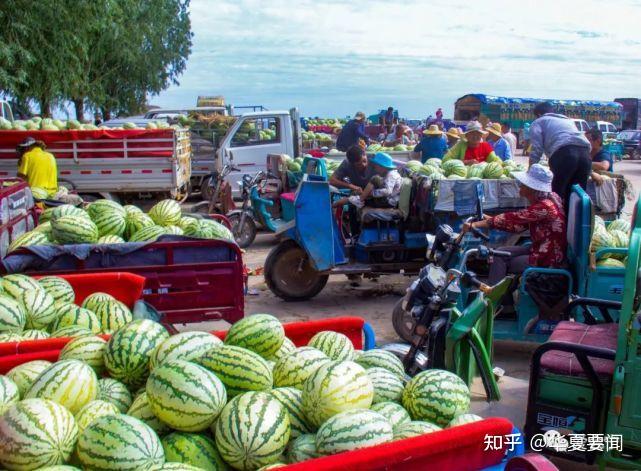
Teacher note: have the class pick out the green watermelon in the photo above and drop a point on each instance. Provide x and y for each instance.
(110, 223)
(619, 225)
(141, 410)
(193, 449)
(34, 334)
(464, 419)
(16, 284)
(285, 349)
(148, 234)
(24, 375)
(166, 213)
(39, 307)
(59, 288)
(292, 400)
(387, 385)
(28, 239)
(9, 393)
(295, 368)
(335, 345)
(88, 349)
(383, 359)
(302, 448)
(414, 429)
(91, 411)
(67, 210)
(493, 170)
(112, 315)
(184, 346)
(12, 315)
(393, 412)
(72, 315)
(260, 333)
(92, 301)
(114, 392)
(104, 206)
(610, 263)
(111, 239)
(353, 429)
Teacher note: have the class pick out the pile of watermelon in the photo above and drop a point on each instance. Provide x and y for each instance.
(453, 169)
(107, 222)
(192, 401)
(615, 235)
(33, 309)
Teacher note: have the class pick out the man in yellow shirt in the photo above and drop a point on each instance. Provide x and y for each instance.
(37, 166)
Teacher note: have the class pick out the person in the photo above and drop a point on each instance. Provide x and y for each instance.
(601, 160)
(353, 173)
(384, 188)
(453, 136)
(389, 119)
(508, 135)
(567, 148)
(97, 121)
(37, 166)
(397, 137)
(432, 144)
(544, 218)
(472, 149)
(525, 137)
(499, 143)
(352, 132)
(439, 114)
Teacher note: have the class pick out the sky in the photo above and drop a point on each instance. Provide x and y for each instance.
(333, 58)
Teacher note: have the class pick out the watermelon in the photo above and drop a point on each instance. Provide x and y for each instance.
(336, 387)
(295, 368)
(193, 449)
(382, 359)
(89, 349)
(387, 386)
(454, 167)
(413, 166)
(239, 369)
(74, 230)
(602, 239)
(174, 399)
(70, 383)
(285, 349)
(111, 239)
(175, 466)
(260, 333)
(16, 284)
(353, 429)
(44, 228)
(302, 448)
(9, 393)
(67, 210)
(39, 307)
(135, 223)
(619, 225)
(393, 412)
(252, 431)
(141, 410)
(464, 419)
(112, 315)
(292, 400)
(35, 433)
(60, 289)
(166, 213)
(72, 315)
(45, 216)
(12, 315)
(414, 429)
(129, 349)
(148, 234)
(60, 467)
(94, 300)
(473, 171)
(119, 442)
(71, 331)
(436, 396)
(131, 209)
(620, 238)
(91, 411)
(493, 170)
(104, 206)
(209, 229)
(610, 263)
(187, 221)
(184, 346)
(434, 162)
(333, 344)
(7, 337)
(24, 375)
(114, 392)
(28, 239)
(174, 230)
(33, 334)
(428, 170)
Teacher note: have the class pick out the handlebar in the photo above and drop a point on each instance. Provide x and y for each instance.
(479, 234)
(469, 279)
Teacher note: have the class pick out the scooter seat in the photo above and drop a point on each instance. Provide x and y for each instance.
(288, 196)
(598, 335)
(369, 215)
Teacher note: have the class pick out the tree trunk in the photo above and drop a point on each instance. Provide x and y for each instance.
(45, 107)
(79, 104)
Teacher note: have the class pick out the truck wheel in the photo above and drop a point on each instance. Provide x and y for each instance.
(290, 275)
(403, 322)
(205, 189)
(246, 236)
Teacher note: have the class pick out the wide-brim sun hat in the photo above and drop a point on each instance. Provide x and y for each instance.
(474, 126)
(495, 128)
(28, 142)
(383, 159)
(537, 178)
(454, 132)
(433, 130)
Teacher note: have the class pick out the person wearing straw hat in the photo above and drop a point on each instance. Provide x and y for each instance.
(544, 218)
(432, 144)
(472, 149)
(453, 136)
(499, 143)
(352, 133)
(37, 166)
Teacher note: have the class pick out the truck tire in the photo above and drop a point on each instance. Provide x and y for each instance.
(245, 237)
(403, 322)
(290, 275)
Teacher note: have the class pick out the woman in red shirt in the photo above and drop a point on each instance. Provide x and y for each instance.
(544, 218)
(472, 149)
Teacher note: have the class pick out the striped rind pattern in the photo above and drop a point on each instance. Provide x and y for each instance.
(353, 429)
(335, 345)
(16, 284)
(135, 223)
(92, 410)
(292, 400)
(24, 375)
(110, 239)
(105, 206)
(393, 412)
(12, 315)
(166, 213)
(387, 386)
(114, 391)
(463, 419)
(71, 331)
(285, 349)
(74, 230)
(72, 315)
(184, 346)
(195, 449)
(295, 368)
(9, 393)
(27, 239)
(59, 288)
(147, 234)
(260, 333)
(34, 334)
(414, 429)
(303, 448)
(39, 307)
(141, 410)
(382, 359)
(10, 337)
(109, 224)
(89, 349)
(92, 301)
(68, 210)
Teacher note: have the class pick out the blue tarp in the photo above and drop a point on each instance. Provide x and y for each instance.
(491, 99)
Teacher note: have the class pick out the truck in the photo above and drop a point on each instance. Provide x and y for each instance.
(631, 113)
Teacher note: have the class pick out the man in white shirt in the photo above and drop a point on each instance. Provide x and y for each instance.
(506, 130)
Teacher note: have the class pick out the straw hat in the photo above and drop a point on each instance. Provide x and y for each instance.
(537, 177)
(359, 116)
(495, 128)
(474, 126)
(454, 132)
(433, 130)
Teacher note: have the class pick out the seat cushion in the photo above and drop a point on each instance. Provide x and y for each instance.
(288, 196)
(369, 214)
(599, 335)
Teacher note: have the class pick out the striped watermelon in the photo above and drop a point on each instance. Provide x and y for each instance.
(67, 210)
(177, 467)
(333, 344)
(357, 355)
(89, 349)
(33, 334)
(393, 412)
(129, 349)
(464, 419)
(174, 230)
(148, 234)
(28, 239)
(119, 442)
(184, 346)
(174, 399)
(252, 431)
(302, 448)
(292, 400)
(295, 368)
(131, 209)
(10, 337)
(239, 369)
(187, 221)
(35, 433)
(17, 284)
(103, 206)
(71, 331)
(9, 393)
(70, 383)
(110, 224)
(111, 239)
(135, 223)
(115, 392)
(436, 396)
(414, 429)
(12, 315)
(260, 333)
(44, 228)
(59, 288)
(60, 467)
(74, 230)
(166, 213)
(91, 411)
(24, 375)
(382, 359)
(285, 349)
(387, 386)
(193, 449)
(141, 410)
(351, 430)
(45, 216)
(94, 300)
(39, 307)
(72, 315)
(336, 387)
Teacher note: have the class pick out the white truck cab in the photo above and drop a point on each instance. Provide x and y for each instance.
(5, 111)
(581, 124)
(173, 113)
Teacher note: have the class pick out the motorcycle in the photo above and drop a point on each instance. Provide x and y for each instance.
(219, 199)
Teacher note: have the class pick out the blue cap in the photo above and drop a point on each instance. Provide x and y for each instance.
(383, 159)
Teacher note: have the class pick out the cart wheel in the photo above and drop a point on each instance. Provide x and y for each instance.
(245, 237)
(205, 189)
(290, 275)
(403, 322)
